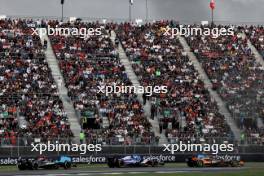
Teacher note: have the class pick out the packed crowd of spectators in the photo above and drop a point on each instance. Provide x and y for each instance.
(256, 36)
(27, 88)
(86, 64)
(235, 74)
(186, 111)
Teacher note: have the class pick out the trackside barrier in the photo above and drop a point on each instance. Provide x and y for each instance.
(9, 155)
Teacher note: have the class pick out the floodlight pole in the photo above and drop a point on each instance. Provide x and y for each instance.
(146, 11)
(130, 16)
(212, 17)
(62, 12)
(62, 3)
(212, 6)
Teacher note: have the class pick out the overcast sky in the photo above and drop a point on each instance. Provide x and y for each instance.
(182, 10)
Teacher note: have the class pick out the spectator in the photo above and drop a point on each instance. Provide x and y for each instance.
(82, 137)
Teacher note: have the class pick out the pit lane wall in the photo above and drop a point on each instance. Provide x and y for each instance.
(10, 155)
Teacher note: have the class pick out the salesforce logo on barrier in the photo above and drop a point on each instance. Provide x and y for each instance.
(89, 159)
(75, 159)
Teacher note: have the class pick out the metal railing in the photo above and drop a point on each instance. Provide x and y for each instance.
(127, 141)
(27, 151)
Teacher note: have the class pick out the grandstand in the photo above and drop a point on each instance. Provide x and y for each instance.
(28, 90)
(186, 112)
(33, 107)
(236, 75)
(87, 64)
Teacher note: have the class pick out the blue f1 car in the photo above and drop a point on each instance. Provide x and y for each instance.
(134, 161)
(43, 162)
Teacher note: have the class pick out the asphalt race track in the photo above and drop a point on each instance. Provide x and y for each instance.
(116, 171)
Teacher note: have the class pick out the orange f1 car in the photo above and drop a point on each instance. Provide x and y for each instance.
(203, 160)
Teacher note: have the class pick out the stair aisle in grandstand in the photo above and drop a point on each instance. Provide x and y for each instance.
(132, 76)
(208, 85)
(67, 103)
(260, 60)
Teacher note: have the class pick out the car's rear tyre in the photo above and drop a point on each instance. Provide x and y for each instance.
(112, 162)
(35, 166)
(190, 164)
(234, 164)
(120, 163)
(67, 165)
(56, 166)
(200, 164)
(154, 163)
(20, 167)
